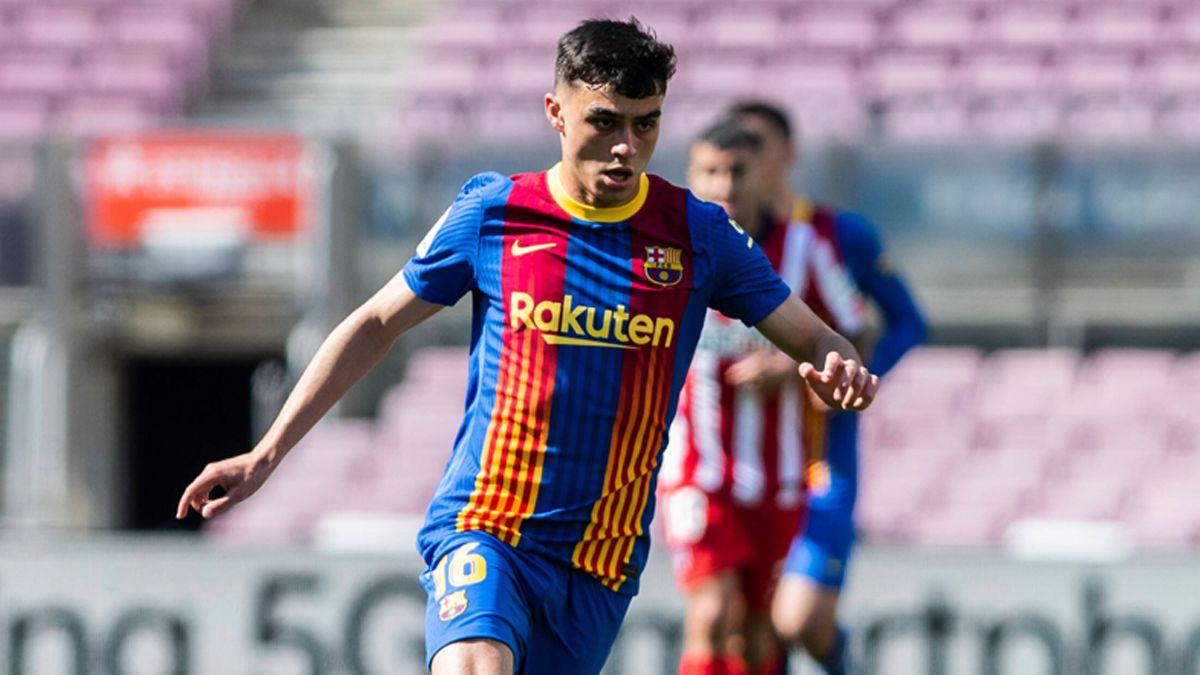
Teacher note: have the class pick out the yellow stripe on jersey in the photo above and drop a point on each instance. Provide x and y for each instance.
(608, 541)
(514, 448)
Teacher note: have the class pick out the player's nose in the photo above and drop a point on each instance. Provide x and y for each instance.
(623, 145)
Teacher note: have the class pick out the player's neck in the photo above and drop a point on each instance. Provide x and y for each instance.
(576, 189)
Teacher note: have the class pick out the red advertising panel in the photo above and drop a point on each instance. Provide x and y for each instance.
(260, 185)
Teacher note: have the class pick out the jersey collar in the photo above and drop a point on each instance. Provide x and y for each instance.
(596, 214)
(802, 210)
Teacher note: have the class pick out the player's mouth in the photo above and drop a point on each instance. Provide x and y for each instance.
(618, 177)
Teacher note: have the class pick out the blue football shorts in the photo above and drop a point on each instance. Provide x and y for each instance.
(821, 551)
(554, 618)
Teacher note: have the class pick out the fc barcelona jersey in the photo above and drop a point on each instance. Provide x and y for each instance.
(584, 323)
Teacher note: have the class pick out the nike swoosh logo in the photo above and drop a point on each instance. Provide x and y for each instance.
(519, 250)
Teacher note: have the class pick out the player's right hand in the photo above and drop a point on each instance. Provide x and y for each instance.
(238, 476)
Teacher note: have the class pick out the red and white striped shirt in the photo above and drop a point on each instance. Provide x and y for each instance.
(744, 444)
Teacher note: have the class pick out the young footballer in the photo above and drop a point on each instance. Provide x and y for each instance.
(589, 284)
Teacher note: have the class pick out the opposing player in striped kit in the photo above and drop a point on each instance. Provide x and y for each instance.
(733, 479)
(805, 607)
(589, 285)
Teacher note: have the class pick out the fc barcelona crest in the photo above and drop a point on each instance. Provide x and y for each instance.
(452, 605)
(663, 266)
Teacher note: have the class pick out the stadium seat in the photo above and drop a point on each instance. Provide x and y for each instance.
(1090, 74)
(757, 28)
(925, 120)
(66, 26)
(913, 74)
(844, 27)
(1115, 26)
(1003, 73)
(1016, 119)
(1111, 120)
(87, 115)
(36, 72)
(814, 74)
(1172, 73)
(1042, 26)
(24, 118)
(939, 26)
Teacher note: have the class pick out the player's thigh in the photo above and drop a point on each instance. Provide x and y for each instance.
(773, 530)
(476, 592)
(802, 608)
(576, 634)
(473, 657)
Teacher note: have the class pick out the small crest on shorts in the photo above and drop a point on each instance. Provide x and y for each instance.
(663, 266)
(818, 479)
(452, 605)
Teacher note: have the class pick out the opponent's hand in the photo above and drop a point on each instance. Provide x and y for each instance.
(239, 476)
(842, 385)
(762, 370)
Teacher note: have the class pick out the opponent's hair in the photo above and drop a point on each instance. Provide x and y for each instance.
(729, 134)
(770, 113)
(623, 54)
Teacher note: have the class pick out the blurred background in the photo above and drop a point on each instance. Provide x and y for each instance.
(193, 192)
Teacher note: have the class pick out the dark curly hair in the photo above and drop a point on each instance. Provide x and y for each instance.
(623, 54)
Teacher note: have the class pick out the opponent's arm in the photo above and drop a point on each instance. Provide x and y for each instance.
(350, 350)
(843, 383)
(904, 325)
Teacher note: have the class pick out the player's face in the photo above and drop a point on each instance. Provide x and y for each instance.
(775, 153)
(726, 177)
(607, 140)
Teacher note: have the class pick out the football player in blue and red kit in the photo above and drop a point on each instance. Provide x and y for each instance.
(589, 283)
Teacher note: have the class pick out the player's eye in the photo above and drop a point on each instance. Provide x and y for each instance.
(603, 123)
(647, 124)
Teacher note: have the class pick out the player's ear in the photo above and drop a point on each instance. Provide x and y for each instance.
(554, 112)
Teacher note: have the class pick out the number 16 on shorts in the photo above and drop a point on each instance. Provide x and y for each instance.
(461, 568)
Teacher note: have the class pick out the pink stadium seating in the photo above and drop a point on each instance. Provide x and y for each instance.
(916, 74)
(1173, 72)
(837, 27)
(815, 74)
(934, 26)
(991, 73)
(1043, 26)
(24, 118)
(936, 120)
(941, 476)
(1016, 119)
(1094, 74)
(66, 25)
(1109, 120)
(1117, 26)
(742, 27)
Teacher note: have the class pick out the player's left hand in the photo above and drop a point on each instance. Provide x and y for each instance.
(843, 384)
(762, 370)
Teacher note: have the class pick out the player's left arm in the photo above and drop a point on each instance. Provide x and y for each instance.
(904, 324)
(746, 287)
(844, 382)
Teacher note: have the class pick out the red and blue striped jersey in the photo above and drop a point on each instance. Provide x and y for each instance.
(584, 324)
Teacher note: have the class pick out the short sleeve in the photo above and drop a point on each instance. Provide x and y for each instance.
(443, 269)
(746, 286)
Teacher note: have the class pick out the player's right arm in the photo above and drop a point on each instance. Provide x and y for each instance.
(442, 271)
